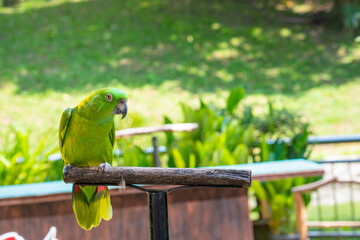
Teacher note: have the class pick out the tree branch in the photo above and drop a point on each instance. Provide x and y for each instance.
(152, 175)
(179, 127)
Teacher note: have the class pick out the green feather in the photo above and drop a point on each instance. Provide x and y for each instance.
(87, 138)
(105, 205)
(64, 122)
(86, 207)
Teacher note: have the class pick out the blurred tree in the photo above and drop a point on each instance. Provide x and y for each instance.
(9, 3)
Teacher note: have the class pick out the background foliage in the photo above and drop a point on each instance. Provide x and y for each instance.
(53, 53)
(162, 53)
(19, 164)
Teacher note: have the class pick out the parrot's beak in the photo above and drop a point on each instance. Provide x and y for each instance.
(121, 108)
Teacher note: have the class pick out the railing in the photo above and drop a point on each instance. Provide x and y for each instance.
(334, 139)
(344, 169)
(188, 127)
(326, 139)
(154, 149)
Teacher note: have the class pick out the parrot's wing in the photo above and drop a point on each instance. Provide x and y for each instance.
(112, 135)
(64, 123)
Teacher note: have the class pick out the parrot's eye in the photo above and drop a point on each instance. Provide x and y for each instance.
(109, 97)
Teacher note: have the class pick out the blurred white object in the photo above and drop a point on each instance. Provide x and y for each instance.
(11, 236)
(51, 234)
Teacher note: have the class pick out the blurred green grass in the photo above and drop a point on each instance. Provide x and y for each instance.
(327, 212)
(344, 214)
(54, 53)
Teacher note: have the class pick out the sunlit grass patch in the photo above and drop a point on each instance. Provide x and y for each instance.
(54, 53)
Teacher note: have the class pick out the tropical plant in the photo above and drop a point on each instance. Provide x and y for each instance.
(220, 139)
(131, 151)
(281, 135)
(229, 136)
(19, 164)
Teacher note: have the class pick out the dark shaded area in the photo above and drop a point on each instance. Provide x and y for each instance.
(9, 3)
(204, 45)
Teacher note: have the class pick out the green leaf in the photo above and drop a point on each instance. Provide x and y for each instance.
(192, 161)
(264, 148)
(179, 160)
(234, 98)
(259, 190)
(39, 148)
(269, 186)
(202, 104)
(241, 153)
(4, 161)
(169, 135)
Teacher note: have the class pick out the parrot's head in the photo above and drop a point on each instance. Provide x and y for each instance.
(103, 104)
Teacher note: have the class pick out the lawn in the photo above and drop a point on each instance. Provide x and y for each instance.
(54, 53)
(328, 214)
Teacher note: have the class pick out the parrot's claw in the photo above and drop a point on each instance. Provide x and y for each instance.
(66, 168)
(104, 167)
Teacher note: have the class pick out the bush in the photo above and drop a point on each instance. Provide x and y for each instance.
(351, 12)
(18, 164)
(221, 139)
(229, 136)
(130, 151)
(226, 137)
(281, 134)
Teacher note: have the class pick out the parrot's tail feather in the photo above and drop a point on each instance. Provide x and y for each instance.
(105, 204)
(91, 204)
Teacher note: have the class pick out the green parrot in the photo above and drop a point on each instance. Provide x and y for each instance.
(86, 138)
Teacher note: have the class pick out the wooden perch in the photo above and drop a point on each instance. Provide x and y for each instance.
(157, 176)
(179, 127)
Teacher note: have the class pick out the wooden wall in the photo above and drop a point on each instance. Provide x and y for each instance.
(197, 213)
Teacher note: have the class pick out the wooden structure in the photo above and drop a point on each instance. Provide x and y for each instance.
(178, 127)
(275, 170)
(32, 216)
(31, 209)
(158, 198)
(158, 176)
(304, 224)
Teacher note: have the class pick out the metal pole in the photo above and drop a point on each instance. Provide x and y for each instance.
(158, 215)
(156, 152)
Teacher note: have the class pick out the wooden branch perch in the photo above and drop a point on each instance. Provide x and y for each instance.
(158, 176)
(179, 127)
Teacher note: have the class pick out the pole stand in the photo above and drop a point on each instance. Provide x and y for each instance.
(158, 209)
(158, 198)
(158, 215)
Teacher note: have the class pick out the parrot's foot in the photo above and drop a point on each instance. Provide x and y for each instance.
(104, 167)
(66, 167)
